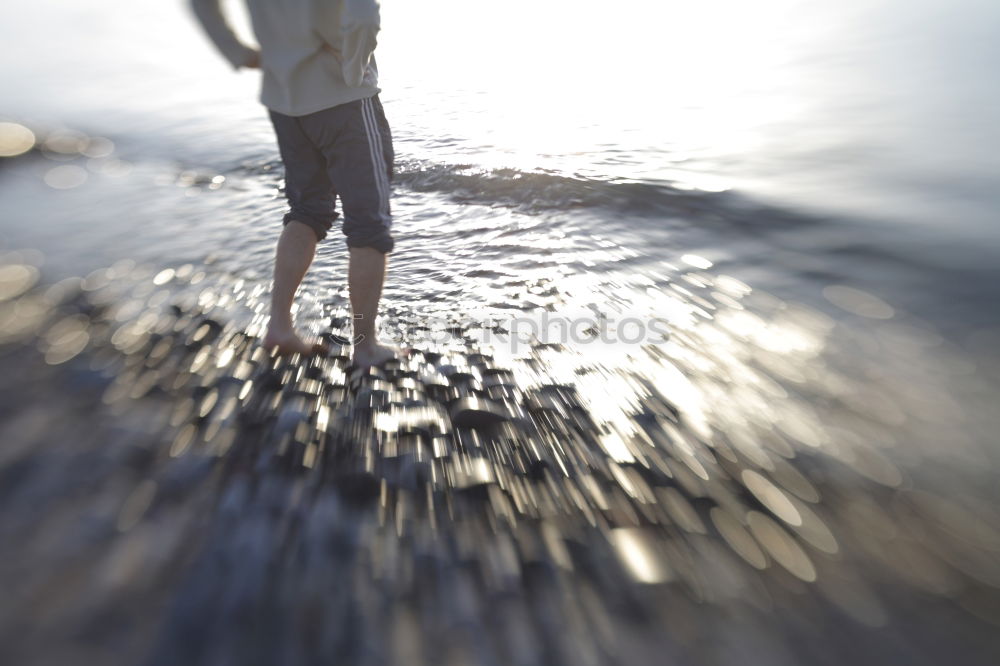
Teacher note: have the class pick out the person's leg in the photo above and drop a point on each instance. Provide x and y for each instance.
(295, 252)
(360, 160)
(311, 202)
(366, 274)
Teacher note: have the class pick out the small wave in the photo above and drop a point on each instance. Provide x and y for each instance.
(549, 191)
(531, 191)
(544, 190)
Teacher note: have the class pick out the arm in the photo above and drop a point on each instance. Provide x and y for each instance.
(359, 26)
(209, 14)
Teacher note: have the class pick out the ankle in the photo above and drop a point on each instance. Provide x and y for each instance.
(366, 344)
(280, 324)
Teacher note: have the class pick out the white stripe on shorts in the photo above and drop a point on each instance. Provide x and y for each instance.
(378, 160)
(383, 174)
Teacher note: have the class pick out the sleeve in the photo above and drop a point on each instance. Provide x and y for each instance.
(359, 26)
(209, 14)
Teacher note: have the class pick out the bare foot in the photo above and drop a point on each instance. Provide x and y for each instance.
(373, 354)
(288, 342)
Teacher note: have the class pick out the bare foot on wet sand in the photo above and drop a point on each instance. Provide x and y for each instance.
(374, 354)
(288, 342)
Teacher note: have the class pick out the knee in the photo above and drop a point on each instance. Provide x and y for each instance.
(318, 226)
(384, 243)
(375, 236)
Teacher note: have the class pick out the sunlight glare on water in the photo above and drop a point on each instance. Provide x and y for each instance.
(562, 75)
(822, 104)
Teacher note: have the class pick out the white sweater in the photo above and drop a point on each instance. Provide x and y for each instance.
(314, 54)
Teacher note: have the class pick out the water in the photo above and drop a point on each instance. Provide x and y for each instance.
(802, 194)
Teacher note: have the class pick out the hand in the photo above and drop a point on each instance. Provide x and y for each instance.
(252, 61)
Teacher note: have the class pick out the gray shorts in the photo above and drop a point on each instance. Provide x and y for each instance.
(344, 151)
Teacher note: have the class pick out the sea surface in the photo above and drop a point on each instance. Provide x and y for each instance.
(722, 275)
